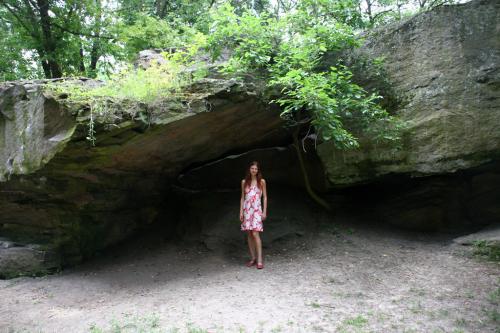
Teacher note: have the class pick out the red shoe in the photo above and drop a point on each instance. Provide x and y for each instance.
(251, 263)
(260, 266)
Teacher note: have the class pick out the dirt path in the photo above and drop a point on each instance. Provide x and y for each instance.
(350, 280)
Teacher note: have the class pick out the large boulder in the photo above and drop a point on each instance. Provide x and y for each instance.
(33, 128)
(443, 67)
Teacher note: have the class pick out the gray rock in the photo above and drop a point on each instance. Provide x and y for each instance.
(5, 244)
(148, 57)
(33, 129)
(444, 68)
(60, 191)
(490, 235)
(25, 259)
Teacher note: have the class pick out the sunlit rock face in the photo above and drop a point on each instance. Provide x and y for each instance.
(67, 199)
(443, 68)
(33, 128)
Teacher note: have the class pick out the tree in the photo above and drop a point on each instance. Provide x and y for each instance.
(380, 12)
(14, 63)
(287, 52)
(65, 37)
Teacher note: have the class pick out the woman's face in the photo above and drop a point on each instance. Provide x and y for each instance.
(254, 170)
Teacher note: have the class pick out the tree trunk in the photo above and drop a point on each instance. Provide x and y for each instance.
(309, 189)
(48, 42)
(94, 53)
(45, 64)
(161, 8)
(82, 63)
(369, 11)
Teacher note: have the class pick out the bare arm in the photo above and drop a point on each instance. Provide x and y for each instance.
(242, 199)
(264, 194)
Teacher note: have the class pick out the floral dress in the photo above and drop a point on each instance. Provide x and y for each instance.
(252, 209)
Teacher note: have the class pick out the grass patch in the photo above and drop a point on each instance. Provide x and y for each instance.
(277, 329)
(443, 313)
(191, 328)
(494, 297)
(469, 295)
(358, 321)
(315, 305)
(353, 325)
(417, 291)
(416, 307)
(146, 324)
(350, 231)
(493, 315)
(487, 250)
(461, 322)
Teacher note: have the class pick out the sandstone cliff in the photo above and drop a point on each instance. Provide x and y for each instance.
(444, 70)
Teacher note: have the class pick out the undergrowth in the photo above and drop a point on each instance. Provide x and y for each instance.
(132, 91)
(487, 250)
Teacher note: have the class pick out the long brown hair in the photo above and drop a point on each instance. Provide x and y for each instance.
(248, 177)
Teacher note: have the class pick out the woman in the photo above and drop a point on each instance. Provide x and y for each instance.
(253, 188)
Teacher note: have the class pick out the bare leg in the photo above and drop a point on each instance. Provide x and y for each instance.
(258, 245)
(251, 245)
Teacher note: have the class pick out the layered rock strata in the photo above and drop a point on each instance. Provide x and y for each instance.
(70, 198)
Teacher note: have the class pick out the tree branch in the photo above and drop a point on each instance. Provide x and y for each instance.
(24, 25)
(80, 33)
(381, 13)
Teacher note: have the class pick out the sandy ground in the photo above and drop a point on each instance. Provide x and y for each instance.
(342, 279)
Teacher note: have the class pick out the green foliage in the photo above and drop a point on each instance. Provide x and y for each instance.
(58, 38)
(148, 32)
(353, 324)
(287, 51)
(358, 321)
(91, 37)
(325, 11)
(381, 12)
(488, 250)
(15, 63)
(131, 91)
(249, 37)
(157, 81)
(136, 84)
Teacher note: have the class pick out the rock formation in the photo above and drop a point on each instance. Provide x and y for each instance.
(69, 199)
(444, 70)
(62, 199)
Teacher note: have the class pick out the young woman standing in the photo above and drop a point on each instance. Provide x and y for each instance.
(253, 188)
